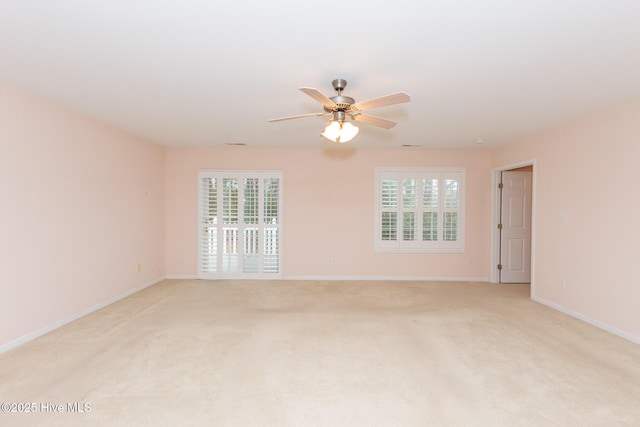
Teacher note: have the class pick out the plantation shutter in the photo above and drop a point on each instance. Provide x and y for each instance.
(208, 229)
(239, 224)
(419, 209)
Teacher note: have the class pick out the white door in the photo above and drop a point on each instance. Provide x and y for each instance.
(515, 227)
(239, 224)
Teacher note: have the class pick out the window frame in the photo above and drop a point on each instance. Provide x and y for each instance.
(420, 246)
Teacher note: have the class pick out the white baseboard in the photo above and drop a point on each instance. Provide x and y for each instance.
(38, 333)
(596, 323)
(363, 278)
(395, 278)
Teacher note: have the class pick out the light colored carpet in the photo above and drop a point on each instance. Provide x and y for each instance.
(256, 353)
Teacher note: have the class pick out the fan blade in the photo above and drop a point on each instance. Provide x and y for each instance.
(373, 120)
(394, 98)
(301, 116)
(315, 94)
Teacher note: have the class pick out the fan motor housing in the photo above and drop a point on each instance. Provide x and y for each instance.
(343, 103)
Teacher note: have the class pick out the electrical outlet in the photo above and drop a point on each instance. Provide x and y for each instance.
(139, 268)
(563, 284)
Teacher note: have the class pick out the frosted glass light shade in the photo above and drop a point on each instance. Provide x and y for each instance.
(341, 132)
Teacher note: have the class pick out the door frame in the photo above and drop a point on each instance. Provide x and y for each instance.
(495, 219)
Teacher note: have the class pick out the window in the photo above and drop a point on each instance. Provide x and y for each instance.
(419, 209)
(239, 224)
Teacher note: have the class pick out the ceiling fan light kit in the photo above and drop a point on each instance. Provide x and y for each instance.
(338, 129)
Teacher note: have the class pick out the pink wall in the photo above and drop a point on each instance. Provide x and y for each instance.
(328, 210)
(81, 205)
(587, 171)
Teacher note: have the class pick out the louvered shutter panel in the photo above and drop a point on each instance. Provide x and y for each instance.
(208, 225)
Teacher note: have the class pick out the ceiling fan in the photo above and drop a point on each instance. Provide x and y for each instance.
(340, 106)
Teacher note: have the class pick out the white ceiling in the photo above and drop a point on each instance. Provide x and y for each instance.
(206, 73)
